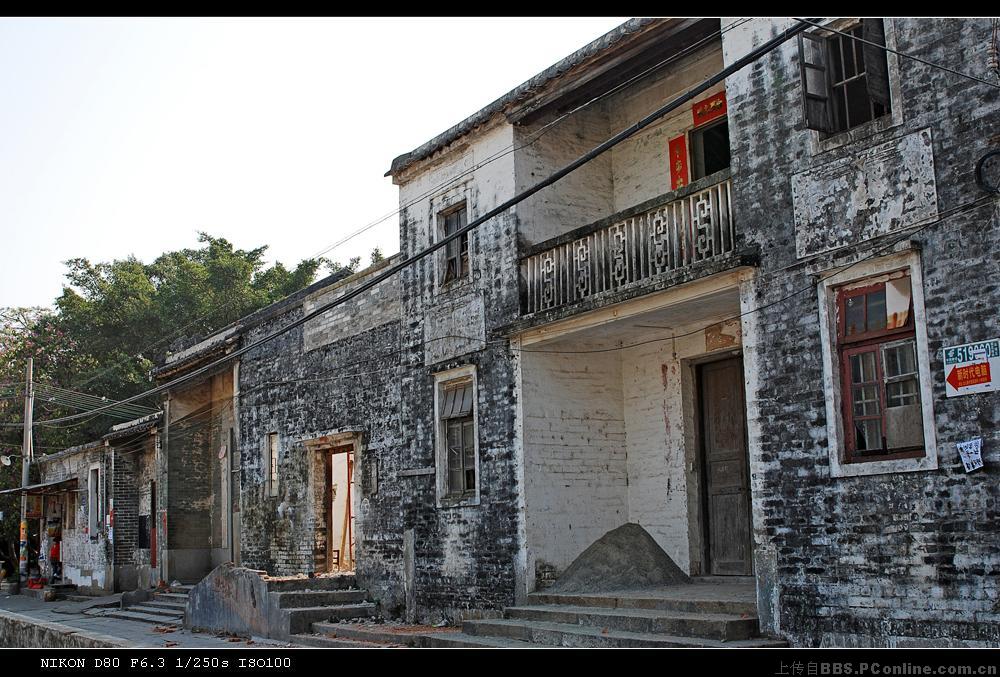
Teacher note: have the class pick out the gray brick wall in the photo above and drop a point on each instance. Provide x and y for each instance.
(872, 559)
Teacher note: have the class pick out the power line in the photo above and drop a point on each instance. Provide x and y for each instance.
(877, 250)
(420, 198)
(216, 414)
(903, 54)
(538, 135)
(500, 154)
(812, 287)
(621, 136)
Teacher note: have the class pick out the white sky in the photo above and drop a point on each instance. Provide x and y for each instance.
(127, 136)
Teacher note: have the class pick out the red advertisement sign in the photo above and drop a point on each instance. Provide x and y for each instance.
(709, 109)
(678, 162)
(969, 375)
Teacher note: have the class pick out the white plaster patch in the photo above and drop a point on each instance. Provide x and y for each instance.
(454, 329)
(873, 192)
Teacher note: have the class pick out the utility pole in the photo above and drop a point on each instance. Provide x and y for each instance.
(26, 458)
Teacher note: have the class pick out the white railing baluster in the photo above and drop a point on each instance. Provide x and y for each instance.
(672, 236)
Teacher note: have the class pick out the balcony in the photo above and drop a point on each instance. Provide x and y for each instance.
(657, 239)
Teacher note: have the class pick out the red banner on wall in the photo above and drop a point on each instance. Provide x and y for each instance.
(709, 109)
(678, 162)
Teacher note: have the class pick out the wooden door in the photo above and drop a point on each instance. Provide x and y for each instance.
(152, 524)
(727, 477)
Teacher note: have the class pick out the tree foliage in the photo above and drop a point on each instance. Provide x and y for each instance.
(113, 322)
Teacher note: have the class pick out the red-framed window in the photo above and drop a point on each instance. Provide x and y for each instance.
(880, 379)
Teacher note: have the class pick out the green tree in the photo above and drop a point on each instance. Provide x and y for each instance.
(113, 322)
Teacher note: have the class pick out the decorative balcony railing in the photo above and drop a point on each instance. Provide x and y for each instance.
(669, 237)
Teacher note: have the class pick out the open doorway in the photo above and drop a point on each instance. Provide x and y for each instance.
(726, 483)
(335, 526)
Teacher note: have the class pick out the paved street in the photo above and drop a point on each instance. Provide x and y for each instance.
(88, 617)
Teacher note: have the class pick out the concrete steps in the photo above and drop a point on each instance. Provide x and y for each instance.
(689, 604)
(390, 635)
(142, 617)
(301, 619)
(461, 640)
(704, 613)
(304, 602)
(321, 583)
(567, 635)
(654, 621)
(315, 598)
(323, 642)
(163, 608)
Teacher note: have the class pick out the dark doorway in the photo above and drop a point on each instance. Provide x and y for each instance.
(726, 471)
(710, 149)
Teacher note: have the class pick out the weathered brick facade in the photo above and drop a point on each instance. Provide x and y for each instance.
(878, 558)
(589, 408)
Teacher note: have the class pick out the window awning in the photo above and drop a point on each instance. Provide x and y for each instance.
(56, 487)
(457, 400)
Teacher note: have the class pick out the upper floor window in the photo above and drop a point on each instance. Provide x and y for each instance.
(845, 75)
(710, 148)
(271, 453)
(456, 257)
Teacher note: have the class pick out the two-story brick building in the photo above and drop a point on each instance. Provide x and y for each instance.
(731, 329)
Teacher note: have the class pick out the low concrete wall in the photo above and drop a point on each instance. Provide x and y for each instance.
(24, 632)
(234, 600)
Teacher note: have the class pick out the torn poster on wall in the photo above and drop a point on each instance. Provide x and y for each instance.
(971, 453)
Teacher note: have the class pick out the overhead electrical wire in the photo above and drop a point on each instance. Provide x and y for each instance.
(537, 187)
(899, 53)
(500, 154)
(537, 135)
(392, 270)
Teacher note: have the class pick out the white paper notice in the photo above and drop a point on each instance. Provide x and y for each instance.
(972, 454)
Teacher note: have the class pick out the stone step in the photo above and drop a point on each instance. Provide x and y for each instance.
(689, 601)
(676, 623)
(130, 615)
(179, 607)
(460, 640)
(301, 619)
(380, 633)
(342, 582)
(171, 597)
(566, 635)
(324, 641)
(171, 614)
(303, 598)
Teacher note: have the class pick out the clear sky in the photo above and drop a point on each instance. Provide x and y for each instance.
(128, 136)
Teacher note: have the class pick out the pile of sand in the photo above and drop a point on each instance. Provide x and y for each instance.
(626, 557)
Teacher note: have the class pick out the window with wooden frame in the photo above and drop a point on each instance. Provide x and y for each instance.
(456, 252)
(880, 379)
(271, 467)
(459, 432)
(456, 438)
(844, 75)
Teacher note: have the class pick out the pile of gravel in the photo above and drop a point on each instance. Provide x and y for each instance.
(623, 558)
